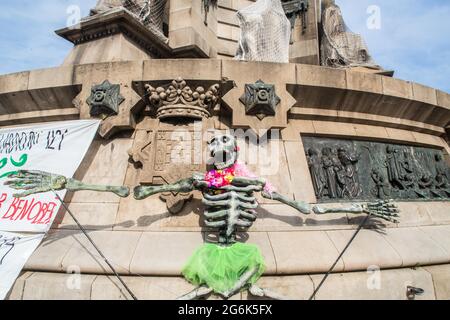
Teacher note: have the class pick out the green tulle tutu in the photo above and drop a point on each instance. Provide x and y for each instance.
(220, 267)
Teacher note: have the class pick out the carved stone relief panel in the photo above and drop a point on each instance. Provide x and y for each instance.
(345, 169)
(168, 154)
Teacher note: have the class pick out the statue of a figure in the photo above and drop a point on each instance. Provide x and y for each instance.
(149, 12)
(265, 32)
(394, 167)
(350, 182)
(340, 47)
(317, 172)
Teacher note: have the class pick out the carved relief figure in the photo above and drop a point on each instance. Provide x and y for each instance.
(317, 172)
(441, 178)
(331, 168)
(381, 189)
(394, 167)
(350, 186)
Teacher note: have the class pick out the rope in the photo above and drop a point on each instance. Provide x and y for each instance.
(95, 246)
(313, 296)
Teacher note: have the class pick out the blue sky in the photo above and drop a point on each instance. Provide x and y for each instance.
(413, 38)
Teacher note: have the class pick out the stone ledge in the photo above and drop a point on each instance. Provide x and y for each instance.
(349, 96)
(373, 285)
(152, 215)
(286, 253)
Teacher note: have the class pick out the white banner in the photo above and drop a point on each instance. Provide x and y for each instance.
(55, 148)
(15, 249)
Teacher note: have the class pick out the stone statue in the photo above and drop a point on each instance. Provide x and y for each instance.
(149, 12)
(230, 203)
(340, 47)
(265, 32)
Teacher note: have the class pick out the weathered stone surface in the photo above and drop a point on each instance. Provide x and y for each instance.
(369, 248)
(415, 246)
(117, 246)
(105, 164)
(202, 69)
(440, 234)
(387, 285)
(164, 253)
(299, 172)
(310, 252)
(93, 216)
(291, 287)
(414, 213)
(50, 254)
(56, 286)
(261, 239)
(439, 212)
(144, 288)
(14, 82)
(152, 214)
(441, 280)
(16, 293)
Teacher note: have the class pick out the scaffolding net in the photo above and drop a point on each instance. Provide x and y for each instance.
(341, 48)
(265, 32)
(151, 13)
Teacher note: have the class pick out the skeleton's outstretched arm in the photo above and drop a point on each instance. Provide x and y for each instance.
(301, 206)
(34, 182)
(184, 185)
(383, 209)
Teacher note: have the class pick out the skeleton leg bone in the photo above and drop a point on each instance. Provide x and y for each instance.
(198, 293)
(242, 282)
(266, 293)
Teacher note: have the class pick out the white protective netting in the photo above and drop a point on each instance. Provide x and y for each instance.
(151, 13)
(265, 32)
(341, 48)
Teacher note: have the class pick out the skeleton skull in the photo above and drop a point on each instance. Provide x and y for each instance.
(224, 151)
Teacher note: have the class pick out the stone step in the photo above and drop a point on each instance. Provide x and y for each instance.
(369, 285)
(285, 253)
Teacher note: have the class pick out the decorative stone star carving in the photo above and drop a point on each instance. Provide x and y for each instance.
(278, 75)
(105, 99)
(260, 99)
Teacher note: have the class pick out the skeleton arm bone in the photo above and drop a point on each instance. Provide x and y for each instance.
(303, 207)
(184, 185)
(34, 182)
(382, 209)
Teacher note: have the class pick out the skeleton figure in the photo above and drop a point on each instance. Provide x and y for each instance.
(227, 267)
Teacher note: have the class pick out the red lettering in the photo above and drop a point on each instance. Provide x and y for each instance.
(3, 198)
(33, 211)
(50, 212)
(12, 206)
